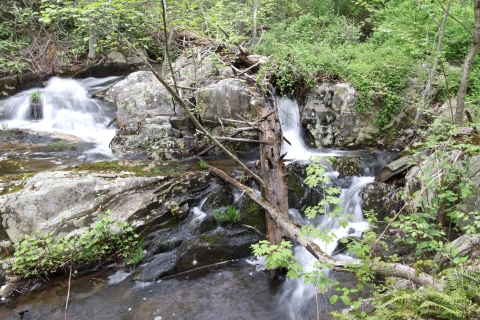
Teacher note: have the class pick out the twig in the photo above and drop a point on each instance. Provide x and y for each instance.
(113, 120)
(254, 229)
(68, 293)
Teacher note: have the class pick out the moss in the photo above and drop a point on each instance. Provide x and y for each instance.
(253, 215)
(208, 238)
(138, 169)
(14, 183)
(170, 224)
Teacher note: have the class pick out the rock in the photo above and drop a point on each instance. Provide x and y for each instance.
(225, 99)
(319, 120)
(116, 57)
(210, 248)
(465, 244)
(396, 167)
(8, 86)
(332, 120)
(68, 202)
(143, 125)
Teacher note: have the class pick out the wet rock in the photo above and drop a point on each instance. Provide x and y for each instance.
(68, 202)
(319, 120)
(209, 248)
(332, 120)
(8, 86)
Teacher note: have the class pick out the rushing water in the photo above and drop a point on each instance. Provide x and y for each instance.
(65, 106)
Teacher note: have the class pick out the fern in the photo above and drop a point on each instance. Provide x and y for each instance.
(459, 301)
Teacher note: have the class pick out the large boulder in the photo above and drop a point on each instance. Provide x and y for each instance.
(226, 99)
(331, 119)
(143, 124)
(68, 202)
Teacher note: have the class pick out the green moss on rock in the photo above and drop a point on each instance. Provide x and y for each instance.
(253, 215)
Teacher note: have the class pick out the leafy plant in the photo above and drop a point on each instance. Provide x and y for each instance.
(35, 96)
(44, 254)
(202, 164)
(229, 216)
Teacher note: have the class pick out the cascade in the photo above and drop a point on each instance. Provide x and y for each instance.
(297, 299)
(63, 106)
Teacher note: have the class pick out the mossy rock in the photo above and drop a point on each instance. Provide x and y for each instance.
(253, 215)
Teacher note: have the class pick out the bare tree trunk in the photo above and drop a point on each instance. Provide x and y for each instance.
(91, 45)
(254, 28)
(272, 172)
(467, 66)
(431, 72)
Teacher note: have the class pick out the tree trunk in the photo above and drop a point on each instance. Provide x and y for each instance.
(254, 28)
(272, 172)
(467, 66)
(431, 72)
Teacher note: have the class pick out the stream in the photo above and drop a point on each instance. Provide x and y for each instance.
(239, 289)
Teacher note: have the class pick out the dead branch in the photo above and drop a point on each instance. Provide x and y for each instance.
(293, 232)
(187, 111)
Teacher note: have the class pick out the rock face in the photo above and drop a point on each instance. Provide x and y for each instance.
(150, 123)
(225, 99)
(66, 202)
(332, 120)
(143, 125)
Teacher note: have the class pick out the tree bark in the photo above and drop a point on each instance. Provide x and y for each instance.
(293, 232)
(272, 172)
(431, 72)
(467, 66)
(254, 28)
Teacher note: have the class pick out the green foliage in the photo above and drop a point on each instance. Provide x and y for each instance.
(229, 216)
(202, 164)
(439, 206)
(44, 254)
(35, 96)
(60, 145)
(460, 300)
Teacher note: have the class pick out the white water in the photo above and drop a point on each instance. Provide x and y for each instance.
(289, 115)
(67, 108)
(296, 297)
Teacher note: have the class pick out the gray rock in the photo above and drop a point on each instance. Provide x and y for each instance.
(319, 120)
(225, 99)
(210, 248)
(8, 86)
(65, 202)
(116, 57)
(332, 120)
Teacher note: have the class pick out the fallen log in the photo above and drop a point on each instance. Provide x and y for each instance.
(386, 269)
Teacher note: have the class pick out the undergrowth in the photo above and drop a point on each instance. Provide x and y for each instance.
(45, 254)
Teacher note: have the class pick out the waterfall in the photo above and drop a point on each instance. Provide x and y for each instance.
(289, 114)
(63, 106)
(298, 299)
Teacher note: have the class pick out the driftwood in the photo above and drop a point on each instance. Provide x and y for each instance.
(293, 232)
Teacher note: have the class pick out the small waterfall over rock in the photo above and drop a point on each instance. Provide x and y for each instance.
(297, 299)
(63, 106)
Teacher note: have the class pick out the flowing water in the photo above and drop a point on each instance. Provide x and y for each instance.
(65, 106)
(234, 290)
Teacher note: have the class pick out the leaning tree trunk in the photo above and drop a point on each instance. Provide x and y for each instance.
(467, 66)
(272, 172)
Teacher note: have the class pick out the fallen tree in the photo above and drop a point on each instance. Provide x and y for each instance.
(275, 202)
